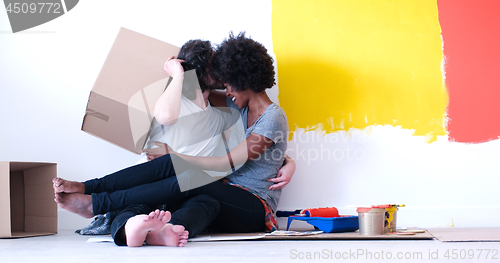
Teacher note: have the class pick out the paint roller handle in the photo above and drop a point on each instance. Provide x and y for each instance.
(288, 213)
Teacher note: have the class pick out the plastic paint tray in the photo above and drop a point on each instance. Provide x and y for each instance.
(329, 224)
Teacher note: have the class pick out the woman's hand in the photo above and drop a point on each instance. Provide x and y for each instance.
(284, 176)
(153, 153)
(173, 66)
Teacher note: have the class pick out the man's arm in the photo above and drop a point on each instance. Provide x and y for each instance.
(168, 106)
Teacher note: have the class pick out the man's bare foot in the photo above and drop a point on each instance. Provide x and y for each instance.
(79, 204)
(64, 186)
(138, 227)
(170, 236)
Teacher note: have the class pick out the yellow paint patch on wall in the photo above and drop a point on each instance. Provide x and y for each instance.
(351, 64)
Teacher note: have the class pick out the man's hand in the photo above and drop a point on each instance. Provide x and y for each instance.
(284, 176)
(153, 153)
(173, 66)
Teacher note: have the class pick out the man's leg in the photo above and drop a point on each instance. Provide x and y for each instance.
(133, 185)
(165, 191)
(241, 209)
(148, 172)
(143, 173)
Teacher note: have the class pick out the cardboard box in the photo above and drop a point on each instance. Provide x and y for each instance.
(121, 102)
(27, 199)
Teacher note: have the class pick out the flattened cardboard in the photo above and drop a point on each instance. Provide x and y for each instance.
(322, 236)
(457, 234)
(122, 99)
(27, 199)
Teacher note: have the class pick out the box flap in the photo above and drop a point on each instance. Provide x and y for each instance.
(17, 201)
(40, 208)
(5, 230)
(16, 166)
(134, 61)
(29, 234)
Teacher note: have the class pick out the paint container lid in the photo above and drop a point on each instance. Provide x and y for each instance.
(381, 206)
(370, 209)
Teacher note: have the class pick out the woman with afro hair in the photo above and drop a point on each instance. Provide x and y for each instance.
(247, 70)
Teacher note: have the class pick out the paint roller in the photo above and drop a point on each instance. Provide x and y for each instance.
(311, 212)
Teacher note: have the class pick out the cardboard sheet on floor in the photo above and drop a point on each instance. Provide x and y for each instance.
(323, 236)
(212, 237)
(457, 234)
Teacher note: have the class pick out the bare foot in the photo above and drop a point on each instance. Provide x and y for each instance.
(64, 186)
(138, 227)
(170, 236)
(79, 204)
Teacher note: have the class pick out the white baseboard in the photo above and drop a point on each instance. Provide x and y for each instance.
(67, 220)
(424, 217)
(430, 217)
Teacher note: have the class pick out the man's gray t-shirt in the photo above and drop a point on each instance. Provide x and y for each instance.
(254, 174)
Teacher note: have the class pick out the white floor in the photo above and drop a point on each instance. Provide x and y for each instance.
(69, 247)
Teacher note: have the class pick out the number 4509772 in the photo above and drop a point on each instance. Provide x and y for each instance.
(25, 8)
(471, 254)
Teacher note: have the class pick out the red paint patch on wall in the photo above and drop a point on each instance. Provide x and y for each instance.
(471, 36)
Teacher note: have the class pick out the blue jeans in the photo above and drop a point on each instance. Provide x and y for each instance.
(155, 183)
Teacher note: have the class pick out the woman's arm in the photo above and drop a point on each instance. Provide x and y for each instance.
(168, 106)
(217, 98)
(285, 174)
(249, 149)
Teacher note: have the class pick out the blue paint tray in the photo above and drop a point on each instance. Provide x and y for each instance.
(329, 224)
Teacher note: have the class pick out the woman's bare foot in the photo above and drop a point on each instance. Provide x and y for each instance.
(79, 204)
(170, 236)
(138, 227)
(64, 186)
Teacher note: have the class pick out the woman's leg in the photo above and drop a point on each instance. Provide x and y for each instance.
(117, 227)
(196, 214)
(240, 211)
(134, 226)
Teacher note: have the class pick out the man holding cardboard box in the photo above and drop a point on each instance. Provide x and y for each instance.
(179, 108)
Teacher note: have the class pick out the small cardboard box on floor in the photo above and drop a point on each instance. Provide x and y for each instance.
(27, 206)
(121, 102)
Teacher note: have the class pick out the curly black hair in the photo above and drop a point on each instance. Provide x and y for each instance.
(243, 63)
(197, 54)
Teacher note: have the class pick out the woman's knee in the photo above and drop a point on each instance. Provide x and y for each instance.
(206, 201)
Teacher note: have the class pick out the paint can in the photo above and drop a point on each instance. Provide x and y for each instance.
(371, 221)
(390, 219)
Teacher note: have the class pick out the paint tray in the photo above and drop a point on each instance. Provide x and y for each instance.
(329, 224)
